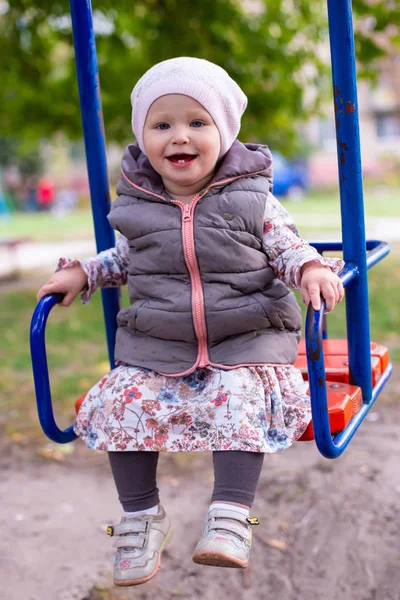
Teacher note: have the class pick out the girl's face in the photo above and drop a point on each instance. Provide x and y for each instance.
(182, 143)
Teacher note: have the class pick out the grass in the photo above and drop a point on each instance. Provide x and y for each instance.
(78, 225)
(48, 227)
(77, 353)
(378, 202)
(77, 358)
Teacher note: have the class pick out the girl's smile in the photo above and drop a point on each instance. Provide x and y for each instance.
(182, 143)
(182, 160)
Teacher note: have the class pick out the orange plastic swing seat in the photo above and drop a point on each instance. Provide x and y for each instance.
(79, 401)
(337, 368)
(339, 348)
(344, 400)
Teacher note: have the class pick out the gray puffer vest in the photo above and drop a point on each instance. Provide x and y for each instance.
(200, 287)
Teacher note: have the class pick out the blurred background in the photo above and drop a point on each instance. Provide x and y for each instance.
(278, 51)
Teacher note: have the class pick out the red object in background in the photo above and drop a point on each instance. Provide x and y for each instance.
(45, 192)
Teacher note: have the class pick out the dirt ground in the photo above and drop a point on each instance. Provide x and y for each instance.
(328, 529)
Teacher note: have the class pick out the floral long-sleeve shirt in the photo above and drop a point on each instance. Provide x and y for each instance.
(256, 409)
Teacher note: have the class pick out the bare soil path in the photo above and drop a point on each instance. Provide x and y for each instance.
(328, 529)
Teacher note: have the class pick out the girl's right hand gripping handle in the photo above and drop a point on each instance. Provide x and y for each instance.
(332, 448)
(41, 372)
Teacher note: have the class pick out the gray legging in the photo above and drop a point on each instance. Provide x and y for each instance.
(236, 476)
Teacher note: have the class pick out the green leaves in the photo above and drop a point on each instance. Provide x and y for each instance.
(274, 53)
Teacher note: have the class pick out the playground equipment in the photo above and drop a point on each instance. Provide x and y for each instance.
(357, 369)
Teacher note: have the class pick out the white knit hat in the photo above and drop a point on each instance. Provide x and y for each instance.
(197, 78)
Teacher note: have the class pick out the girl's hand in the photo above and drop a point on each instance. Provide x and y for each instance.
(67, 281)
(317, 280)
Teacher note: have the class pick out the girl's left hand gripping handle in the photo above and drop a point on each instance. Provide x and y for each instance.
(41, 372)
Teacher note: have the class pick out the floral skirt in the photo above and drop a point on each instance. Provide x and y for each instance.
(256, 409)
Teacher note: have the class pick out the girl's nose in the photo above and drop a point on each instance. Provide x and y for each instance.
(181, 136)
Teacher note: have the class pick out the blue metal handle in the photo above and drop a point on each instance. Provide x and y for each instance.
(41, 372)
(380, 249)
(332, 448)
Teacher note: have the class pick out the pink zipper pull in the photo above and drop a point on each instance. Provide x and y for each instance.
(187, 212)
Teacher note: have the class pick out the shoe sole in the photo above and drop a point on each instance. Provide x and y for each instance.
(132, 582)
(212, 558)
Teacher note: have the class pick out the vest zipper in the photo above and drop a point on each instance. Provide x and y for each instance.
(198, 311)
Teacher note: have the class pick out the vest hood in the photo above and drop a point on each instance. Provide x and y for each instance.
(241, 159)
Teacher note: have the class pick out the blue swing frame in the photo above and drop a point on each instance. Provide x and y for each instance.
(359, 255)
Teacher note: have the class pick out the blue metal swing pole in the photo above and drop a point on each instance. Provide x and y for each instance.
(351, 190)
(93, 130)
(354, 275)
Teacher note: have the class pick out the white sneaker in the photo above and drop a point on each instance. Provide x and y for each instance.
(141, 540)
(226, 540)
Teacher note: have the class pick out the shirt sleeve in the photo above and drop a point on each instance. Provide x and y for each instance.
(287, 252)
(107, 269)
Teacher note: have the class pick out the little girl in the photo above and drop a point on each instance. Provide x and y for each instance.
(205, 350)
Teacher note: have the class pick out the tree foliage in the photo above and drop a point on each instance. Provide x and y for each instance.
(273, 54)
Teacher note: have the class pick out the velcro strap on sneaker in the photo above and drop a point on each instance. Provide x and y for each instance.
(236, 527)
(131, 541)
(227, 514)
(129, 527)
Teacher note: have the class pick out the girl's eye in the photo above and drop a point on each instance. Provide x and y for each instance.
(196, 123)
(163, 126)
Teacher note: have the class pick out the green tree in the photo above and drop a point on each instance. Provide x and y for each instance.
(273, 55)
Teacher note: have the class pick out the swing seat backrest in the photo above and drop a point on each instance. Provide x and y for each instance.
(344, 400)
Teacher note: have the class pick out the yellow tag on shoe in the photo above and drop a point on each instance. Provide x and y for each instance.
(110, 530)
(253, 520)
